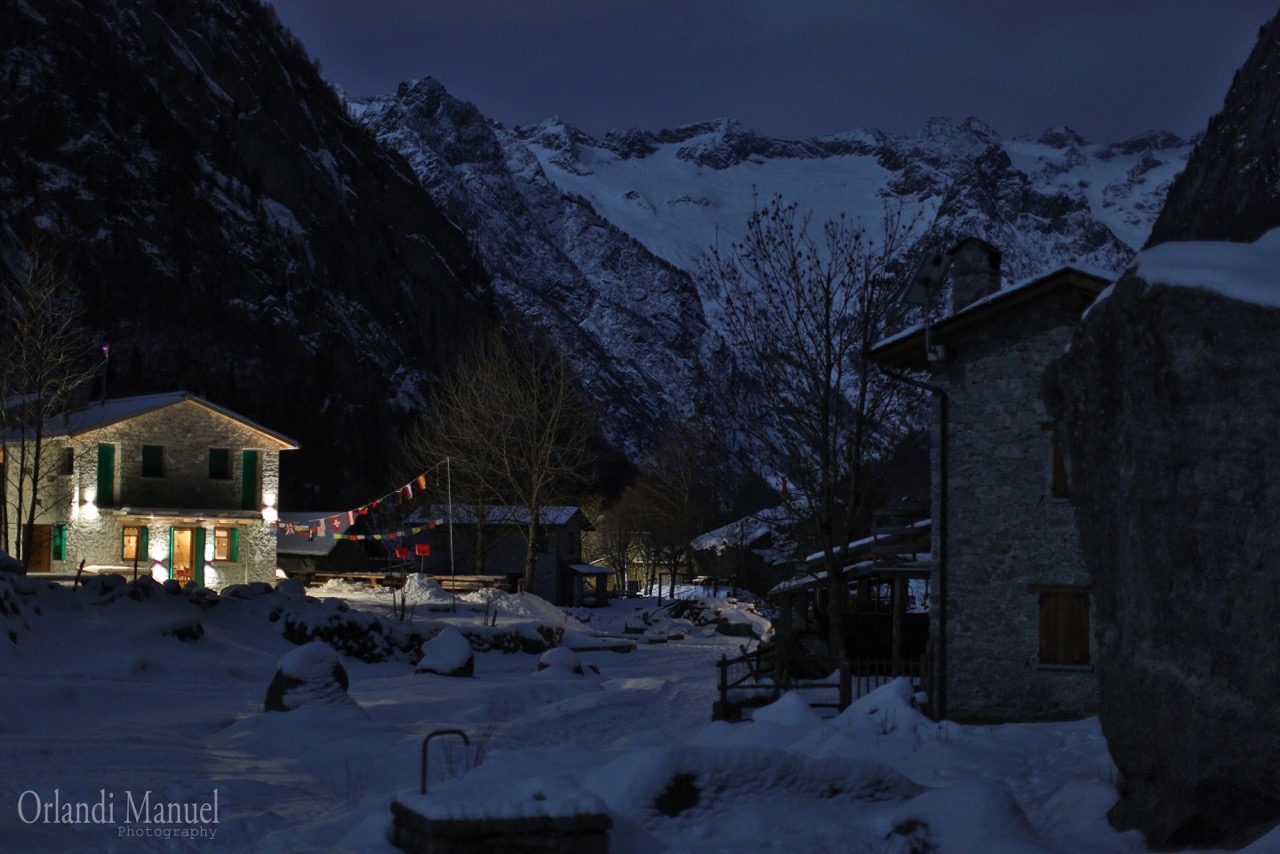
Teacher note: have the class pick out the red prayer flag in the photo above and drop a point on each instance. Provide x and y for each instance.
(402, 553)
(351, 517)
(422, 549)
(337, 523)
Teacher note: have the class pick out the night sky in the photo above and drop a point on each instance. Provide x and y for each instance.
(1108, 68)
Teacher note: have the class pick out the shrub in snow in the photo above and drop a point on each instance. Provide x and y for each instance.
(352, 633)
(291, 587)
(104, 586)
(183, 628)
(309, 675)
(528, 637)
(447, 654)
(656, 786)
(252, 590)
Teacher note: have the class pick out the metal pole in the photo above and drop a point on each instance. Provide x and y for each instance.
(448, 481)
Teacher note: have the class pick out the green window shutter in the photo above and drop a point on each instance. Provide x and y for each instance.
(219, 464)
(234, 537)
(143, 554)
(106, 476)
(249, 480)
(197, 559)
(170, 558)
(59, 542)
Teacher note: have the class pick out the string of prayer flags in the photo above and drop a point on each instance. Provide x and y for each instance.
(400, 496)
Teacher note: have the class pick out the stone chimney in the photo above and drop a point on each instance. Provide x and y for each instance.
(975, 271)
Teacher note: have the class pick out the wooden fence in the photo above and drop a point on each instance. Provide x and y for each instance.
(756, 679)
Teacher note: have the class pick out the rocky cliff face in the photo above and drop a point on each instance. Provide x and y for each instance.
(234, 233)
(1231, 187)
(601, 240)
(631, 324)
(1046, 202)
(1168, 396)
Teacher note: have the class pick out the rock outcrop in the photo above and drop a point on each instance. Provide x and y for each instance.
(1171, 414)
(231, 230)
(1230, 189)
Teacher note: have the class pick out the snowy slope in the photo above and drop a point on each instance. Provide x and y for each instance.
(600, 240)
(1045, 202)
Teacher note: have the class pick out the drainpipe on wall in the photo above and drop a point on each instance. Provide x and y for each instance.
(940, 668)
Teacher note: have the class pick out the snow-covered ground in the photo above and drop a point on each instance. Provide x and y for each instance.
(103, 701)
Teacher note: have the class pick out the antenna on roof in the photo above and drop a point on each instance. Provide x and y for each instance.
(106, 366)
(927, 280)
(922, 289)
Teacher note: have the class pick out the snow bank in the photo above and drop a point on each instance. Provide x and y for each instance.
(556, 796)
(1249, 272)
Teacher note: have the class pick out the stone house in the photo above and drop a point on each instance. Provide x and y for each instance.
(166, 484)
(490, 541)
(1010, 634)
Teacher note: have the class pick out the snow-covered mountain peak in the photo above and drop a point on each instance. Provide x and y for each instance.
(601, 239)
(1061, 136)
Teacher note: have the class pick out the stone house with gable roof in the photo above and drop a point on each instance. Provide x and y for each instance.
(1011, 635)
(168, 484)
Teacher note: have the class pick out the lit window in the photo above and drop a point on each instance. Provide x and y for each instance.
(226, 544)
(132, 545)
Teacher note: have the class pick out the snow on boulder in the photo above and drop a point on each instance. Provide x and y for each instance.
(562, 659)
(448, 654)
(311, 675)
(741, 623)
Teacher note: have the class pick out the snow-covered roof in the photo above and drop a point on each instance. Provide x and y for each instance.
(118, 409)
(1240, 271)
(900, 346)
(745, 531)
(590, 569)
(923, 525)
(464, 514)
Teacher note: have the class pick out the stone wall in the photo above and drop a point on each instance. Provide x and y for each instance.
(186, 431)
(1006, 531)
(1172, 415)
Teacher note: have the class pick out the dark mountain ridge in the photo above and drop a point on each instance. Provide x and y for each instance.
(1230, 189)
(233, 232)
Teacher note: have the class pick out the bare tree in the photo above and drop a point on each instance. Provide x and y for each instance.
(44, 362)
(616, 536)
(802, 304)
(680, 485)
(512, 419)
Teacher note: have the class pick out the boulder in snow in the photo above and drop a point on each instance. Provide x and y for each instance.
(312, 674)
(448, 654)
